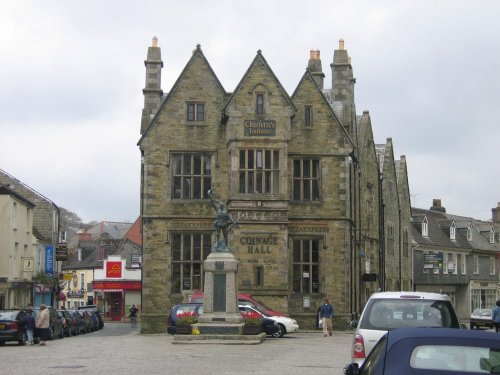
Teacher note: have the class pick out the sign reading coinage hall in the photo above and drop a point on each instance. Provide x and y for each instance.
(259, 243)
(260, 128)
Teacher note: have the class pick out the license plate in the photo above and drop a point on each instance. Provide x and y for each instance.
(2, 326)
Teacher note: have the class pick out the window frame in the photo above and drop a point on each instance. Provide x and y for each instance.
(306, 248)
(186, 183)
(187, 241)
(260, 107)
(425, 227)
(259, 171)
(308, 116)
(309, 182)
(193, 112)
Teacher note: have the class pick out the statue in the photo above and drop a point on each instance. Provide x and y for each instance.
(223, 223)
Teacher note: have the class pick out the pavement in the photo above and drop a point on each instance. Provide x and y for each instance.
(120, 349)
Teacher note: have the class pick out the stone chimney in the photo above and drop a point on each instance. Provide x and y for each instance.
(315, 68)
(495, 217)
(436, 206)
(343, 85)
(152, 92)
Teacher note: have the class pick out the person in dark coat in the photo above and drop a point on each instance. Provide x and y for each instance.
(29, 325)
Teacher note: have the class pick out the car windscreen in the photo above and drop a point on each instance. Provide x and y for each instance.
(388, 314)
(8, 315)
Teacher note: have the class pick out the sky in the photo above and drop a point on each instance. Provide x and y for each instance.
(72, 74)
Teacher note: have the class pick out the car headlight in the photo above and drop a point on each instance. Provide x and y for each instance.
(294, 321)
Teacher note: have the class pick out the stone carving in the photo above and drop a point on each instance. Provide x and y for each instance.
(223, 223)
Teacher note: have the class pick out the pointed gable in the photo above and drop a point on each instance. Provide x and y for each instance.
(260, 76)
(308, 97)
(197, 81)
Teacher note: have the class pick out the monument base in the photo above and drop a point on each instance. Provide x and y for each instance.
(220, 328)
(220, 339)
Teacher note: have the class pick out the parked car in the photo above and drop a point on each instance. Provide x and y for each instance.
(66, 327)
(85, 317)
(192, 308)
(96, 311)
(94, 320)
(288, 325)
(481, 318)
(386, 311)
(55, 325)
(78, 321)
(197, 297)
(432, 351)
(12, 326)
(71, 325)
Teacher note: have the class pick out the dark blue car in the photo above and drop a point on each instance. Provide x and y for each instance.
(432, 351)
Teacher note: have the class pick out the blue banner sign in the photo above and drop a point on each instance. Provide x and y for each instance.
(49, 260)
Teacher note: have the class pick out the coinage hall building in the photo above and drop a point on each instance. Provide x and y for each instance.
(279, 162)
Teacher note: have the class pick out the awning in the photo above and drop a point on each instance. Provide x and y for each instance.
(109, 290)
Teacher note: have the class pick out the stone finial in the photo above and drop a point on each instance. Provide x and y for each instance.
(341, 44)
(155, 41)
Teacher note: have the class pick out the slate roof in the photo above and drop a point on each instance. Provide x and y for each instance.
(116, 230)
(438, 230)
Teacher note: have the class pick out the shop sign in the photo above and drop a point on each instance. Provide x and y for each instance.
(49, 260)
(116, 285)
(75, 293)
(260, 128)
(433, 261)
(62, 252)
(114, 269)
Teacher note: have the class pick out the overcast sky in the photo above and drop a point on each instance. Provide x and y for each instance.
(72, 74)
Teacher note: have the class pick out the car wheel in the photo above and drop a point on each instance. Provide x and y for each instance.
(278, 334)
(283, 329)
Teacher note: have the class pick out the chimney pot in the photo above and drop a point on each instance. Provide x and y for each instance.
(341, 44)
(155, 41)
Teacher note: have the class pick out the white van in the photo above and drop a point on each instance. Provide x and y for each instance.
(386, 311)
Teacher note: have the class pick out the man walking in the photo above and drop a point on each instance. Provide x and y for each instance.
(326, 314)
(133, 316)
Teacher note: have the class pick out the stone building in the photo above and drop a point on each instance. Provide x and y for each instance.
(287, 167)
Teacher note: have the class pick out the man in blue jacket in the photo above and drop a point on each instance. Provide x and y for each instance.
(326, 314)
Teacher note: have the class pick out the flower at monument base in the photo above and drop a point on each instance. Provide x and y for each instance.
(186, 318)
(252, 318)
(195, 331)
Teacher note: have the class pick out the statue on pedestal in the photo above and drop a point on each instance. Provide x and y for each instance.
(223, 223)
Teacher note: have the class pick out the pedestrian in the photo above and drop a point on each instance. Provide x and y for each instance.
(43, 323)
(29, 325)
(326, 314)
(496, 316)
(133, 316)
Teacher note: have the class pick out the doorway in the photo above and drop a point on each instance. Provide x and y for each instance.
(116, 301)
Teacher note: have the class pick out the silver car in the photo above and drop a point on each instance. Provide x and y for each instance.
(386, 311)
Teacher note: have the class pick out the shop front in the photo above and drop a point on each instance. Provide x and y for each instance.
(117, 288)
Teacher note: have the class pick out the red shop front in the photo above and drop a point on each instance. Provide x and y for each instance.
(115, 295)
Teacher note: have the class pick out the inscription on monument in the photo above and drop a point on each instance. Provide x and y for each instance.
(219, 292)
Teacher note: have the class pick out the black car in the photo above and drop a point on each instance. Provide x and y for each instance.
(97, 312)
(12, 326)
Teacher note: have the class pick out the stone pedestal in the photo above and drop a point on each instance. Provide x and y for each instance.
(220, 304)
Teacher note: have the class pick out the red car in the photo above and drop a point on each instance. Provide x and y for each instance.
(243, 299)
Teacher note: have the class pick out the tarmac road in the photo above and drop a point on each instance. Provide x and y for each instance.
(119, 349)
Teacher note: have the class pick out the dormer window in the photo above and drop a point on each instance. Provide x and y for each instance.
(259, 104)
(469, 232)
(492, 235)
(425, 228)
(452, 231)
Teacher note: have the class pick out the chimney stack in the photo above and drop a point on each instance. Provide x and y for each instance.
(152, 92)
(495, 217)
(436, 206)
(315, 68)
